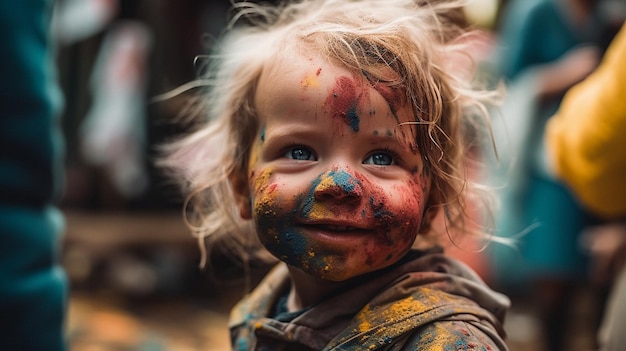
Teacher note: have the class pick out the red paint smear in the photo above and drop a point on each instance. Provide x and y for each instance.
(273, 188)
(342, 97)
(319, 70)
(393, 98)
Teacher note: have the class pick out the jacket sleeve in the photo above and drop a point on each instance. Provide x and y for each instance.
(32, 284)
(454, 335)
(586, 140)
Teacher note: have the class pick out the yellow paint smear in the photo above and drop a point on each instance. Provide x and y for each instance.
(319, 211)
(310, 81)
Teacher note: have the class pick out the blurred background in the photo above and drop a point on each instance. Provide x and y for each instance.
(132, 263)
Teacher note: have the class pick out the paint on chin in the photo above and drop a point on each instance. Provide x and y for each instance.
(343, 100)
(282, 239)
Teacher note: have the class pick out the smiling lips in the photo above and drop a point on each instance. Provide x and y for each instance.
(336, 228)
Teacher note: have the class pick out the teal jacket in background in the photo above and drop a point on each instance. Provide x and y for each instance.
(33, 287)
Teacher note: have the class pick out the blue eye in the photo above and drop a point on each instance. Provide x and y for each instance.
(380, 159)
(300, 153)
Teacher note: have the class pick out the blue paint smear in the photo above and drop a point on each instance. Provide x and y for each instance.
(352, 118)
(296, 242)
(307, 203)
(344, 180)
(382, 213)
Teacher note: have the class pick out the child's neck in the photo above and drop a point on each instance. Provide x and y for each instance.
(307, 290)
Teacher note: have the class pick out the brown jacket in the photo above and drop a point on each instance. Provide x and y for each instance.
(427, 301)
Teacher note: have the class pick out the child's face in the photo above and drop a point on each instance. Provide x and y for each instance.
(333, 192)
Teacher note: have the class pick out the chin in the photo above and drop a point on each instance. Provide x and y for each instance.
(336, 273)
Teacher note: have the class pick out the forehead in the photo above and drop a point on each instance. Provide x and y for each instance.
(309, 79)
(292, 70)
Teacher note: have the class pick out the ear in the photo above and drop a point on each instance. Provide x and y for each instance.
(241, 191)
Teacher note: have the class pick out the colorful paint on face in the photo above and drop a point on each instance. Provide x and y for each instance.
(322, 200)
(343, 100)
(310, 81)
(335, 183)
(302, 230)
(391, 96)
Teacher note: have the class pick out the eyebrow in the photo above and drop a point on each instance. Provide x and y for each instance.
(390, 137)
(293, 131)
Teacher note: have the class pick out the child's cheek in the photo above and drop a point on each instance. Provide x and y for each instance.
(412, 198)
(397, 217)
(264, 198)
(274, 219)
(265, 208)
(261, 183)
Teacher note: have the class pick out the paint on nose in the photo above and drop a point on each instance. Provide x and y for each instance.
(340, 183)
(334, 185)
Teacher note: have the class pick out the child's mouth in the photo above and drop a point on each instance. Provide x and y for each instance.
(336, 228)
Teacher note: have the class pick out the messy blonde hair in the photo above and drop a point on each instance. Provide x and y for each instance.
(404, 45)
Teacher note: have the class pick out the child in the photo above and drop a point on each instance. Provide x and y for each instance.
(336, 134)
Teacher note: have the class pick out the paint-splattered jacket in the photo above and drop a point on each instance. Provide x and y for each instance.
(427, 301)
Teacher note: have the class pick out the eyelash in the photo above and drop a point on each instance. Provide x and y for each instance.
(292, 146)
(394, 155)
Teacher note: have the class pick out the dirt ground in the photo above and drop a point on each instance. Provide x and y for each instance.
(103, 324)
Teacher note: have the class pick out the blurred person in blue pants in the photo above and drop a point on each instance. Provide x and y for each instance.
(585, 145)
(33, 286)
(552, 45)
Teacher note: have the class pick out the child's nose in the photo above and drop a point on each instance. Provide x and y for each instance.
(338, 185)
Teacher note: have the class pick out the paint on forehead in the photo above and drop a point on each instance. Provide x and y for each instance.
(343, 100)
(309, 81)
(391, 96)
